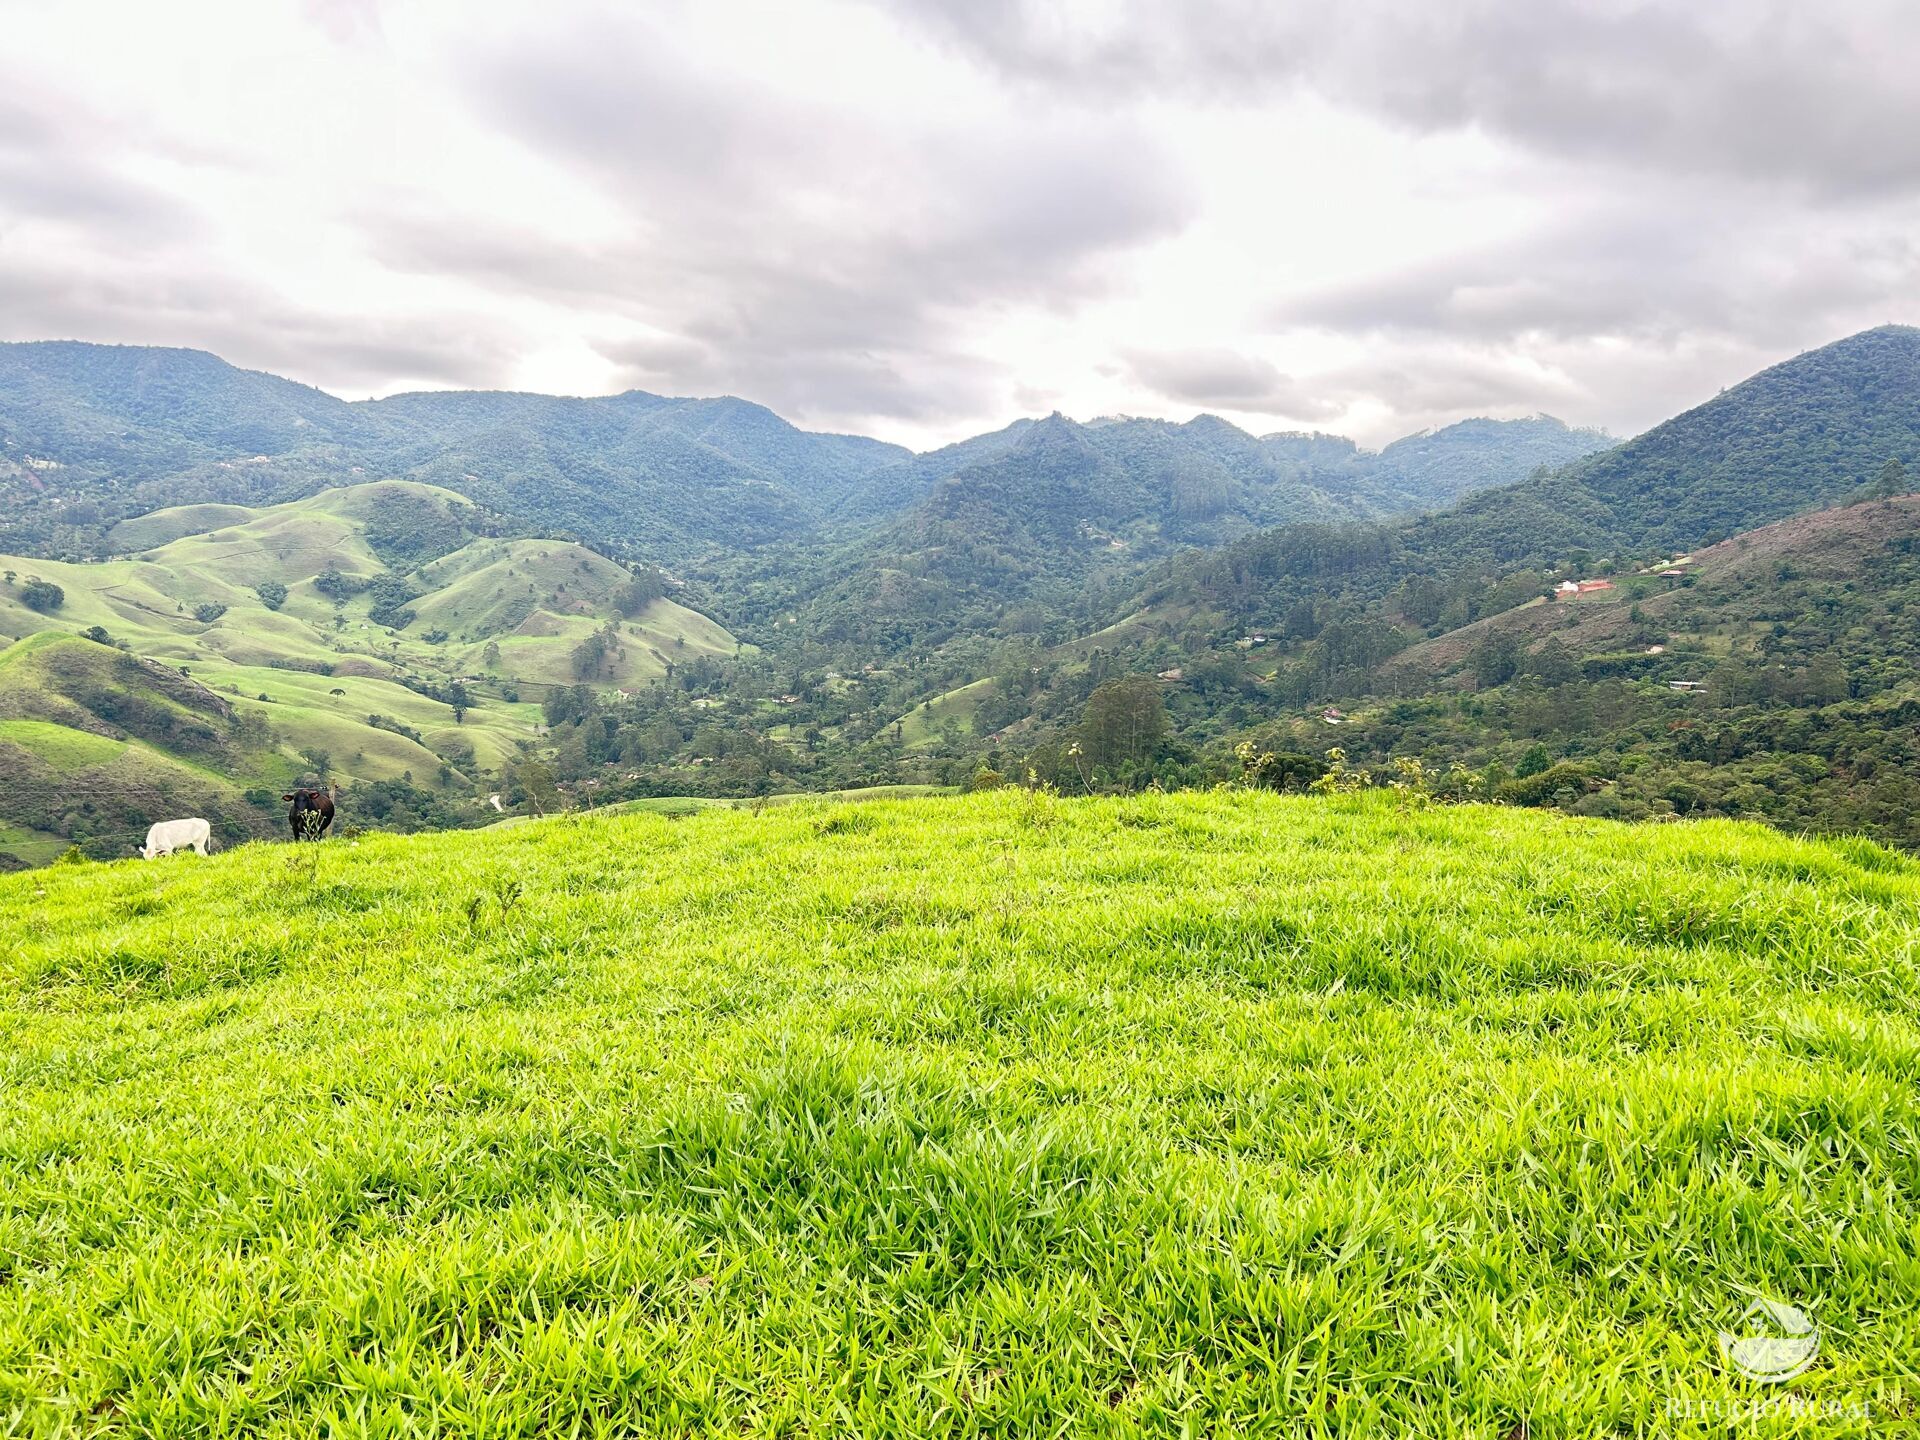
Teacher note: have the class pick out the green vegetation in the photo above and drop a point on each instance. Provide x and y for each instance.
(42, 595)
(970, 615)
(96, 744)
(1007, 1114)
(313, 657)
(134, 430)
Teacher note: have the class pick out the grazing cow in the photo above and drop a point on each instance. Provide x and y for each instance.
(166, 836)
(311, 814)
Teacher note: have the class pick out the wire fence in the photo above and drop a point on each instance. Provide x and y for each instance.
(56, 800)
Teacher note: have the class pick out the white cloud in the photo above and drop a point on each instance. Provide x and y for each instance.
(917, 219)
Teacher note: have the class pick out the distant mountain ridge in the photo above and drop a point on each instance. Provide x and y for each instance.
(91, 434)
(1809, 431)
(132, 429)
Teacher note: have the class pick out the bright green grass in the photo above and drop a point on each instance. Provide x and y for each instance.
(59, 746)
(920, 726)
(30, 846)
(993, 1115)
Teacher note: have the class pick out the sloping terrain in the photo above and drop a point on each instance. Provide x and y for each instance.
(92, 434)
(353, 669)
(95, 745)
(1001, 1115)
(1723, 600)
(1813, 430)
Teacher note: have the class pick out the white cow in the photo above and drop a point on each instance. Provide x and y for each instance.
(166, 836)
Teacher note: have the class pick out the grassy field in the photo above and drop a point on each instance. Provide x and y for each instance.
(920, 726)
(1002, 1114)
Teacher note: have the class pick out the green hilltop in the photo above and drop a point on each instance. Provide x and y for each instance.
(1003, 1114)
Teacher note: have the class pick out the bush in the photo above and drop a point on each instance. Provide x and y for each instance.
(272, 594)
(208, 613)
(335, 586)
(42, 595)
(1541, 789)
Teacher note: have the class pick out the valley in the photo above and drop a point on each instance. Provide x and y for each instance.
(437, 648)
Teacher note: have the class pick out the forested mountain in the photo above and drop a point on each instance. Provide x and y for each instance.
(1814, 429)
(1439, 467)
(92, 434)
(1050, 518)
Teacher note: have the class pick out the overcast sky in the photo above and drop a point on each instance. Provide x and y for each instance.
(921, 219)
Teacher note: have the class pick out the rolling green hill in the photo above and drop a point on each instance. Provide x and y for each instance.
(1175, 1114)
(339, 682)
(96, 744)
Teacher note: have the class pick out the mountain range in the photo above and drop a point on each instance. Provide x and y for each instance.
(90, 434)
(438, 597)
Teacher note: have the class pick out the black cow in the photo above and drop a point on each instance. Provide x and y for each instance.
(311, 814)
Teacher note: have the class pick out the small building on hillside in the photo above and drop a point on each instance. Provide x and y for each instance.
(1574, 589)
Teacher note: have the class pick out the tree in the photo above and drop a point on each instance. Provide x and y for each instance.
(1495, 660)
(1125, 721)
(591, 655)
(272, 594)
(336, 586)
(42, 595)
(1553, 663)
(460, 700)
(1892, 481)
(641, 591)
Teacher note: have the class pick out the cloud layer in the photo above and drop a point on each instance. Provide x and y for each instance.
(919, 218)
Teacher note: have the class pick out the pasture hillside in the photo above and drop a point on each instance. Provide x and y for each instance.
(96, 744)
(1180, 1114)
(343, 623)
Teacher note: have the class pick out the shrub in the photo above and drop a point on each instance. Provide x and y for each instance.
(272, 594)
(335, 586)
(42, 595)
(1540, 789)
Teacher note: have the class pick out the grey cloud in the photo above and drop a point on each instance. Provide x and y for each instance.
(1688, 268)
(1449, 382)
(1419, 383)
(817, 260)
(1215, 378)
(55, 173)
(131, 303)
(1820, 95)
